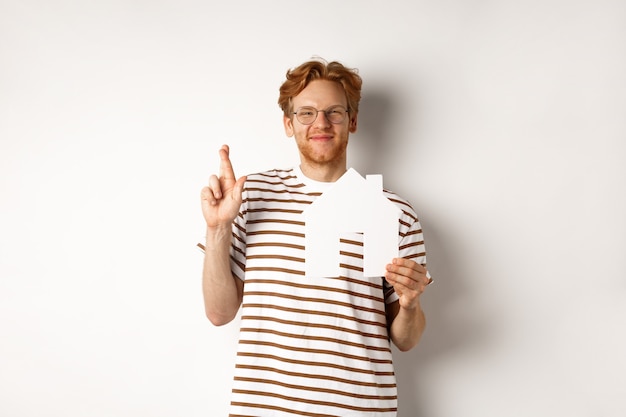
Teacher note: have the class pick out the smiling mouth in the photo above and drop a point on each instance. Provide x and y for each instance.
(321, 137)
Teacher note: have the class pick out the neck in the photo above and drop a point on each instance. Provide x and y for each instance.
(323, 172)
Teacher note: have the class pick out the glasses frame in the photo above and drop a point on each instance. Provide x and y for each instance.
(326, 111)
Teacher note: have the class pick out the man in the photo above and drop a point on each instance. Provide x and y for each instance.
(308, 346)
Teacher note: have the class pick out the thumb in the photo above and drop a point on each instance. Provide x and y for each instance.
(238, 188)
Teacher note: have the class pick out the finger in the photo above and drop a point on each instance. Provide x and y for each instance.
(404, 285)
(238, 189)
(399, 275)
(403, 273)
(409, 263)
(226, 168)
(215, 187)
(207, 195)
(409, 277)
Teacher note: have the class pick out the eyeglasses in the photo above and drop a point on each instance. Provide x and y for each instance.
(335, 114)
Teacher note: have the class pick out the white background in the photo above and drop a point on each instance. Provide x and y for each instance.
(503, 122)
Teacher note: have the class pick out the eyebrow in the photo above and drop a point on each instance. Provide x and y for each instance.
(327, 107)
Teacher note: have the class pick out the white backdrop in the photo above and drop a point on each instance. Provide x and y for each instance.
(503, 122)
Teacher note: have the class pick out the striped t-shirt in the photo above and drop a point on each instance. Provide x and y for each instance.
(309, 346)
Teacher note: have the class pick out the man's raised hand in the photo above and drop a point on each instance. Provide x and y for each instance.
(222, 197)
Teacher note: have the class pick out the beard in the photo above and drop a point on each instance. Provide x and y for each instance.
(331, 153)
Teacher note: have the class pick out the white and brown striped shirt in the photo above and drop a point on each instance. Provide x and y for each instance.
(309, 346)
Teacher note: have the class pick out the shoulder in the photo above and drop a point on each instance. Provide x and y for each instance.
(402, 203)
(271, 177)
(410, 228)
(274, 180)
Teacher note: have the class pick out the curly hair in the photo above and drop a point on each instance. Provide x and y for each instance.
(299, 77)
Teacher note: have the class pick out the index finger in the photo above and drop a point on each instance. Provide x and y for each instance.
(409, 263)
(226, 168)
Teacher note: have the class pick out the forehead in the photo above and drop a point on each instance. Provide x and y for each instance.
(321, 94)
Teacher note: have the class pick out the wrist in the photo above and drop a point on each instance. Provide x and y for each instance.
(412, 308)
(218, 237)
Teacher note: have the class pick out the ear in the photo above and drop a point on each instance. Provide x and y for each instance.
(352, 124)
(288, 124)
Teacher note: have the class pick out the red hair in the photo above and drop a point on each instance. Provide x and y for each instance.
(299, 77)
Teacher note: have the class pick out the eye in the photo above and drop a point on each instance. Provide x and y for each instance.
(334, 111)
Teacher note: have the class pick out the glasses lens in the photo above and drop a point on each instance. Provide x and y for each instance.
(306, 115)
(336, 114)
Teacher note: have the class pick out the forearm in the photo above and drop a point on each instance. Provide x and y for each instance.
(222, 291)
(407, 328)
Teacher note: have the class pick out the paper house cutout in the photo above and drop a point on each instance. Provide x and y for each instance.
(351, 205)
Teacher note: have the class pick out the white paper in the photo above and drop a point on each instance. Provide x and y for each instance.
(351, 205)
